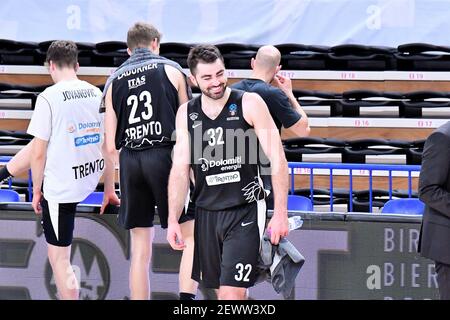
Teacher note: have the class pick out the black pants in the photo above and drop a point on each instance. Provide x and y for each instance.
(443, 279)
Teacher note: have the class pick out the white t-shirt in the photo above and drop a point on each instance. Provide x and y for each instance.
(67, 116)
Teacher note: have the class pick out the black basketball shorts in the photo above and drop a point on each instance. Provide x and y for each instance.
(58, 221)
(227, 245)
(144, 178)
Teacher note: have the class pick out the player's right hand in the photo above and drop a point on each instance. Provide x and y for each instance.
(284, 83)
(174, 236)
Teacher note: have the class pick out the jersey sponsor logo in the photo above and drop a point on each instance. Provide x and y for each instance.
(88, 168)
(83, 127)
(204, 165)
(196, 125)
(88, 139)
(78, 94)
(254, 191)
(88, 125)
(225, 164)
(193, 116)
(136, 82)
(223, 178)
(246, 223)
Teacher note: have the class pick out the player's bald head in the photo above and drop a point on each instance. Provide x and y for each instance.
(267, 57)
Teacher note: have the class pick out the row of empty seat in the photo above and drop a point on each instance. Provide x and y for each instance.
(334, 150)
(400, 206)
(7, 195)
(411, 56)
(361, 200)
(299, 203)
(355, 103)
(347, 104)
(354, 151)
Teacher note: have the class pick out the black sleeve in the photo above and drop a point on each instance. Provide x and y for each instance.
(281, 108)
(434, 173)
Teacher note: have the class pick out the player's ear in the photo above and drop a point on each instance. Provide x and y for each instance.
(193, 80)
(278, 69)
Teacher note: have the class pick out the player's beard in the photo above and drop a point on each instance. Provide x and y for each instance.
(214, 92)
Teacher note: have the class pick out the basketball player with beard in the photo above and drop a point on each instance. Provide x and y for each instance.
(217, 136)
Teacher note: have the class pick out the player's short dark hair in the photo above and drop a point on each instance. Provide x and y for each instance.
(205, 53)
(63, 53)
(141, 34)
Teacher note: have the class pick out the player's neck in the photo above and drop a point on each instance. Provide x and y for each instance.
(264, 76)
(65, 75)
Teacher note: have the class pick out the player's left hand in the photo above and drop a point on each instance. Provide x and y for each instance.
(109, 198)
(174, 236)
(36, 204)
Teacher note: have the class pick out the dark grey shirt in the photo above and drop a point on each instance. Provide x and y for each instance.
(280, 108)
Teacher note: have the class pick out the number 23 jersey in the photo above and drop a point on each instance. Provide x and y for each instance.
(145, 103)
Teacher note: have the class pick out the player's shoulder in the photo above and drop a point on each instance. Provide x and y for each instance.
(182, 109)
(251, 98)
(275, 91)
(172, 70)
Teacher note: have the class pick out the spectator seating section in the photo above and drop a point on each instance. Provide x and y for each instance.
(353, 151)
(413, 104)
(110, 53)
(359, 57)
(405, 206)
(353, 100)
(294, 56)
(176, 51)
(422, 57)
(303, 57)
(95, 197)
(14, 138)
(309, 99)
(295, 148)
(18, 53)
(237, 55)
(348, 103)
(22, 92)
(9, 196)
(299, 203)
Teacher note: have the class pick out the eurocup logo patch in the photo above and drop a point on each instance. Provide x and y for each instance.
(232, 109)
(193, 116)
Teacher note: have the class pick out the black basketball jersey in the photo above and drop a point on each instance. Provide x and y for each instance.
(145, 102)
(224, 156)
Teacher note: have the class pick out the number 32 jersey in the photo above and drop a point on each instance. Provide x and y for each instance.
(224, 156)
(145, 103)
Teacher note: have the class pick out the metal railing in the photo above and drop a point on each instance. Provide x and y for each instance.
(350, 167)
